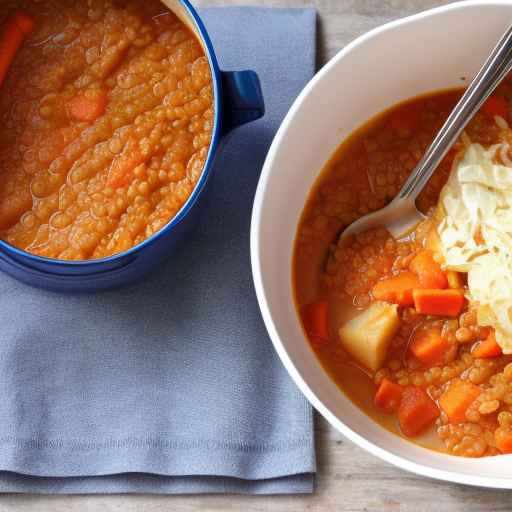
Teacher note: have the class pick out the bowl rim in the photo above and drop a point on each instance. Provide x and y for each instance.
(398, 460)
(37, 261)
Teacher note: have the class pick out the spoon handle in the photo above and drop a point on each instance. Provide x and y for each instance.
(498, 64)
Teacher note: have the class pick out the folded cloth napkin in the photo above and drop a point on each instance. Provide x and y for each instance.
(171, 385)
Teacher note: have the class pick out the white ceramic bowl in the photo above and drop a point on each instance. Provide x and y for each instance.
(402, 59)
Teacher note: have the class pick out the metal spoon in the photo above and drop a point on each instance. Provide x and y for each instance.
(401, 215)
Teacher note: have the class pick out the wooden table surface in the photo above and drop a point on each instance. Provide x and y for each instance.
(348, 479)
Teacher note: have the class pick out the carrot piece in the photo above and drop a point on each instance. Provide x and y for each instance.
(456, 400)
(495, 106)
(487, 348)
(428, 270)
(388, 395)
(397, 289)
(417, 411)
(17, 27)
(428, 346)
(87, 108)
(454, 279)
(121, 169)
(315, 317)
(438, 302)
(24, 21)
(503, 439)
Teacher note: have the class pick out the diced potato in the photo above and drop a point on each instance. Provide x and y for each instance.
(367, 336)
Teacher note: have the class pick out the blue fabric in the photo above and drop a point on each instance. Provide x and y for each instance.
(171, 385)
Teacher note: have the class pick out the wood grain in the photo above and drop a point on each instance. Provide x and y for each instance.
(349, 479)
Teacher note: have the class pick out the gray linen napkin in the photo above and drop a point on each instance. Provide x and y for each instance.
(171, 385)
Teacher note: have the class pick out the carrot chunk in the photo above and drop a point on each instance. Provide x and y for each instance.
(17, 27)
(428, 270)
(438, 302)
(397, 289)
(315, 317)
(121, 170)
(487, 348)
(87, 107)
(428, 346)
(24, 21)
(417, 411)
(122, 167)
(503, 440)
(456, 400)
(495, 106)
(388, 395)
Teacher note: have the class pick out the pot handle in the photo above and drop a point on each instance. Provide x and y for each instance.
(242, 99)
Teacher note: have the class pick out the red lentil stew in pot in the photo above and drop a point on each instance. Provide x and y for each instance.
(417, 332)
(106, 112)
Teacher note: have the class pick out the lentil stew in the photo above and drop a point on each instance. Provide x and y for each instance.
(106, 120)
(392, 326)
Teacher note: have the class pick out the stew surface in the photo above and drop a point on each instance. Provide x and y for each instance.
(393, 326)
(106, 117)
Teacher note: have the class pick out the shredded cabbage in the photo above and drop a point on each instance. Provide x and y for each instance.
(476, 234)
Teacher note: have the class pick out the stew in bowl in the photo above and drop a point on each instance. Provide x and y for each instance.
(411, 66)
(410, 329)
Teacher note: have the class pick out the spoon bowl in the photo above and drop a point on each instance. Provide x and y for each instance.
(399, 217)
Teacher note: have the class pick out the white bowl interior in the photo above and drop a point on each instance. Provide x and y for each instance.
(430, 51)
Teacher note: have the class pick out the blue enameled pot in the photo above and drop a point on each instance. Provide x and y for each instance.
(237, 100)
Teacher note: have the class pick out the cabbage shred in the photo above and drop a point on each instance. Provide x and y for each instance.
(475, 230)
